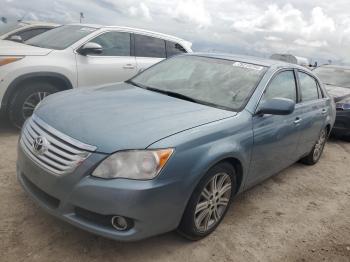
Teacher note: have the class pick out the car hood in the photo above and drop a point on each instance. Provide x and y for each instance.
(122, 116)
(10, 48)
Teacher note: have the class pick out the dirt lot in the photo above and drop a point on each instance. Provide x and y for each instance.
(302, 214)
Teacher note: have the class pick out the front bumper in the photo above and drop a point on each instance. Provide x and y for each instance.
(154, 206)
(342, 124)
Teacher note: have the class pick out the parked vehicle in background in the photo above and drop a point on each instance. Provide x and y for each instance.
(337, 82)
(171, 147)
(23, 31)
(298, 60)
(76, 56)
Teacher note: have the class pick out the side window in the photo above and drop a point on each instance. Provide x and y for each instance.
(282, 86)
(114, 43)
(174, 49)
(28, 34)
(146, 46)
(308, 86)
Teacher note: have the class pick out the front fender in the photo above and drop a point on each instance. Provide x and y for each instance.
(200, 148)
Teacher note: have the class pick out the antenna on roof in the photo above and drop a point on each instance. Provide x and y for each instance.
(81, 16)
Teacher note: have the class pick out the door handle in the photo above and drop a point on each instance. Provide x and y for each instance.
(129, 66)
(324, 111)
(297, 121)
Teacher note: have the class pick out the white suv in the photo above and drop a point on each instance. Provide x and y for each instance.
(76, 56)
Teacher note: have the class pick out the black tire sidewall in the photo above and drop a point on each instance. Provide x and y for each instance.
(24, 91)
(187, 226)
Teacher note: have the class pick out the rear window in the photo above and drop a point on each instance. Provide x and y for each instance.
(309, 87)
(147, 46)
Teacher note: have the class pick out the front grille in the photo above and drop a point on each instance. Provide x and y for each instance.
(61, 155)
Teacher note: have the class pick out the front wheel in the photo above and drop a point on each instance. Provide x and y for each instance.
(316, 152)
(209, 202)
(26, 99)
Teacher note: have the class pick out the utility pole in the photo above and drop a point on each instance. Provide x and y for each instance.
(81, 16)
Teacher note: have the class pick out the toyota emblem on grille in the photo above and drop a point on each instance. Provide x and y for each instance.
(40, 145)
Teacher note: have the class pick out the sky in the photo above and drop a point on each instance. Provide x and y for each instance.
(317, 29)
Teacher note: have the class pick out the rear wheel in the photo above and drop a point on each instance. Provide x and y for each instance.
(316, 152)
(26, 99)
(209, 202)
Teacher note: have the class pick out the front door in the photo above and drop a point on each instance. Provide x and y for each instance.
(114, 64)
(275, 137)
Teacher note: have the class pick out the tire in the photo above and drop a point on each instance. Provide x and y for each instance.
(204, 205)
(314, 156)
(26, 99)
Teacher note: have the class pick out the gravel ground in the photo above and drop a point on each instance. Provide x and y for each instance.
(301, 214)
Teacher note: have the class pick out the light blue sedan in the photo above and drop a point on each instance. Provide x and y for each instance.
(170, 148)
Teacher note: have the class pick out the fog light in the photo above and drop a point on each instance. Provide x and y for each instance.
(119, 223)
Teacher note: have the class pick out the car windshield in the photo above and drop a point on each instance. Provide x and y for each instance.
(6, 28)
(216, 82)
(334, 76)
(61, 37)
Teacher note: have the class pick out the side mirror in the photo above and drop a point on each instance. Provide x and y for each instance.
(90, 48)
(276, 106)
(16, 38)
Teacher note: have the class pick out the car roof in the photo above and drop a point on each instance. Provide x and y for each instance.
(139, 30)
(252, 60)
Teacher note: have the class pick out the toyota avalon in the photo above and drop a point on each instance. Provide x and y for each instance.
(170, 148)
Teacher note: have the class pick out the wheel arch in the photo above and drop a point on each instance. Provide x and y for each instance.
(57, 79)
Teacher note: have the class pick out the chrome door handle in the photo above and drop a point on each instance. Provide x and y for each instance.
(324, 111)
(129, 66)
(297, 121)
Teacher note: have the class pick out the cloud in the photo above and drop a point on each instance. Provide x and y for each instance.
(314, 28)
(140, 10)
(193, 11)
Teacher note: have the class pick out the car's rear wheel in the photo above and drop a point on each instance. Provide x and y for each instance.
(26, 99)
(209, 202)
(316, 152)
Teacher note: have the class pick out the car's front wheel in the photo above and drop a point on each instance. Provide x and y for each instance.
(26, 99)
(209, 202)
(316, 152)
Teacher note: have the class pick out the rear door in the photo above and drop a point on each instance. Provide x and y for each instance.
(275, 136)
(314, 111)
(148, 50)
(116, 63)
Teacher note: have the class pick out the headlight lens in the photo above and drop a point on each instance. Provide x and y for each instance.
(4, 60)
(134, 164)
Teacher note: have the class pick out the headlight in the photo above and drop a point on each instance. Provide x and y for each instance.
(134, 164)
(4, 60)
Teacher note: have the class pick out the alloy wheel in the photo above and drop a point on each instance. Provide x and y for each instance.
(213, 202)
(31, 102)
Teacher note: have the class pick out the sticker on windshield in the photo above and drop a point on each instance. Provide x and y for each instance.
(248, 66)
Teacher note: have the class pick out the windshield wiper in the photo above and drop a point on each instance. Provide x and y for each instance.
(165, 92)
(177, 95)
